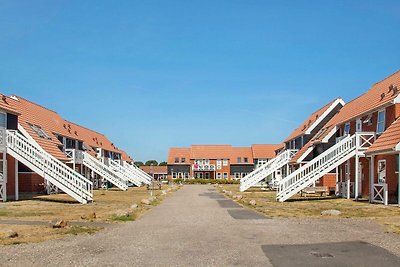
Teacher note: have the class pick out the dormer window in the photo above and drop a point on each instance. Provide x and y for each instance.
(380, 126)
(176, 160)
(39, 131)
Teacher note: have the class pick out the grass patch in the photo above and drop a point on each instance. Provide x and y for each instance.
(311, 207)
(60, 206)
(76, 229)
(129, 218)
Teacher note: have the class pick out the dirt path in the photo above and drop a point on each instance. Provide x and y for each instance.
(199, 227)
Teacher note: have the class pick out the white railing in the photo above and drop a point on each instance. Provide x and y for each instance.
(266, 169)
(50, 168)
(343, 189)
(3, 192)
(104, 171)
(127, 174)
(203, 167)
(380, 194)
(145, 178)
(346, 148)
(75, 155)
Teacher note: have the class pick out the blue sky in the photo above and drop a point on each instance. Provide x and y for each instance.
(158, 74)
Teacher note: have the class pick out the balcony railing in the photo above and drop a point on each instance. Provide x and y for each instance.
(203, 167)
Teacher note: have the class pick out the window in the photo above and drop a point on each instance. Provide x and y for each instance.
(219, 164)
(219, 175)
(237, 175)
(183, 160)
(70, 143)
(368, 120)
(174, 175)
(39, 131)
(246, 160)
(359, 125)
(3, 120)
(347, 128)
(180, 175)
(382, 171)
(176, 160)
(186, 175)
(225, 175)
(225, 162)
(380, 126)
(206, 161)
(239, 160)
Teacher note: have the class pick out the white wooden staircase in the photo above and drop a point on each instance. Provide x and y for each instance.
(104, 171)
(144, 177)
(346, 148)
(125, 172)
(51, 169)
(266, 169)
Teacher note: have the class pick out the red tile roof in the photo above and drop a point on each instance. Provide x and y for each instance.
(314, 119)
(155, 169)
(378, 96)
(178, 153)
(388, 140)
(53, 124)
(241, 152)
(211, 151)
(267, 151)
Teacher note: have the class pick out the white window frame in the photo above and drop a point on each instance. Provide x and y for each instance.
(225, 162)
(5, 120)
(174, 175)
(381, 122)
(382, 180)
(225, 176)
(219, 175)
(359, 124)
(219, 164)
(347, 128)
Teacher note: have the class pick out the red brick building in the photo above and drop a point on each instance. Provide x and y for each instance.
(217, 161)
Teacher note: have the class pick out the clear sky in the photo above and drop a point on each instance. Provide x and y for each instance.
(158, 74)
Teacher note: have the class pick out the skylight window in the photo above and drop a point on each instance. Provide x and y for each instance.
(39, 131)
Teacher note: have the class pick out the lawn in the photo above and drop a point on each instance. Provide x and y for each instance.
(107, 208)
(300, 207)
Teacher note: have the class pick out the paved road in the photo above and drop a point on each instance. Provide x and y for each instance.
(198, 227)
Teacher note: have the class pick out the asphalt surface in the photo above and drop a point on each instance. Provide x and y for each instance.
(196, 226)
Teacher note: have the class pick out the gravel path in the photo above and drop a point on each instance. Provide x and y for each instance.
(198, 227)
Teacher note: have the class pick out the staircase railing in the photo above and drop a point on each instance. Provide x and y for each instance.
(128, 175)
(145, 178)
(104, 171)
(50, 168)
(266, 169)
(346, 148)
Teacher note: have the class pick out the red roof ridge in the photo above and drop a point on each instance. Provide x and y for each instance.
(19, 97)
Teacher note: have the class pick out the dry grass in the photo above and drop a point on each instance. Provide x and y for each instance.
(301, 207)
(47, 208)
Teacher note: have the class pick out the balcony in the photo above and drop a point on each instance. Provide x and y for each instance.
(203, 167)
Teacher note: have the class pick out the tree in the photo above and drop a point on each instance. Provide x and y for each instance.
(151, 162)
(139, 163)
(163, 163)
